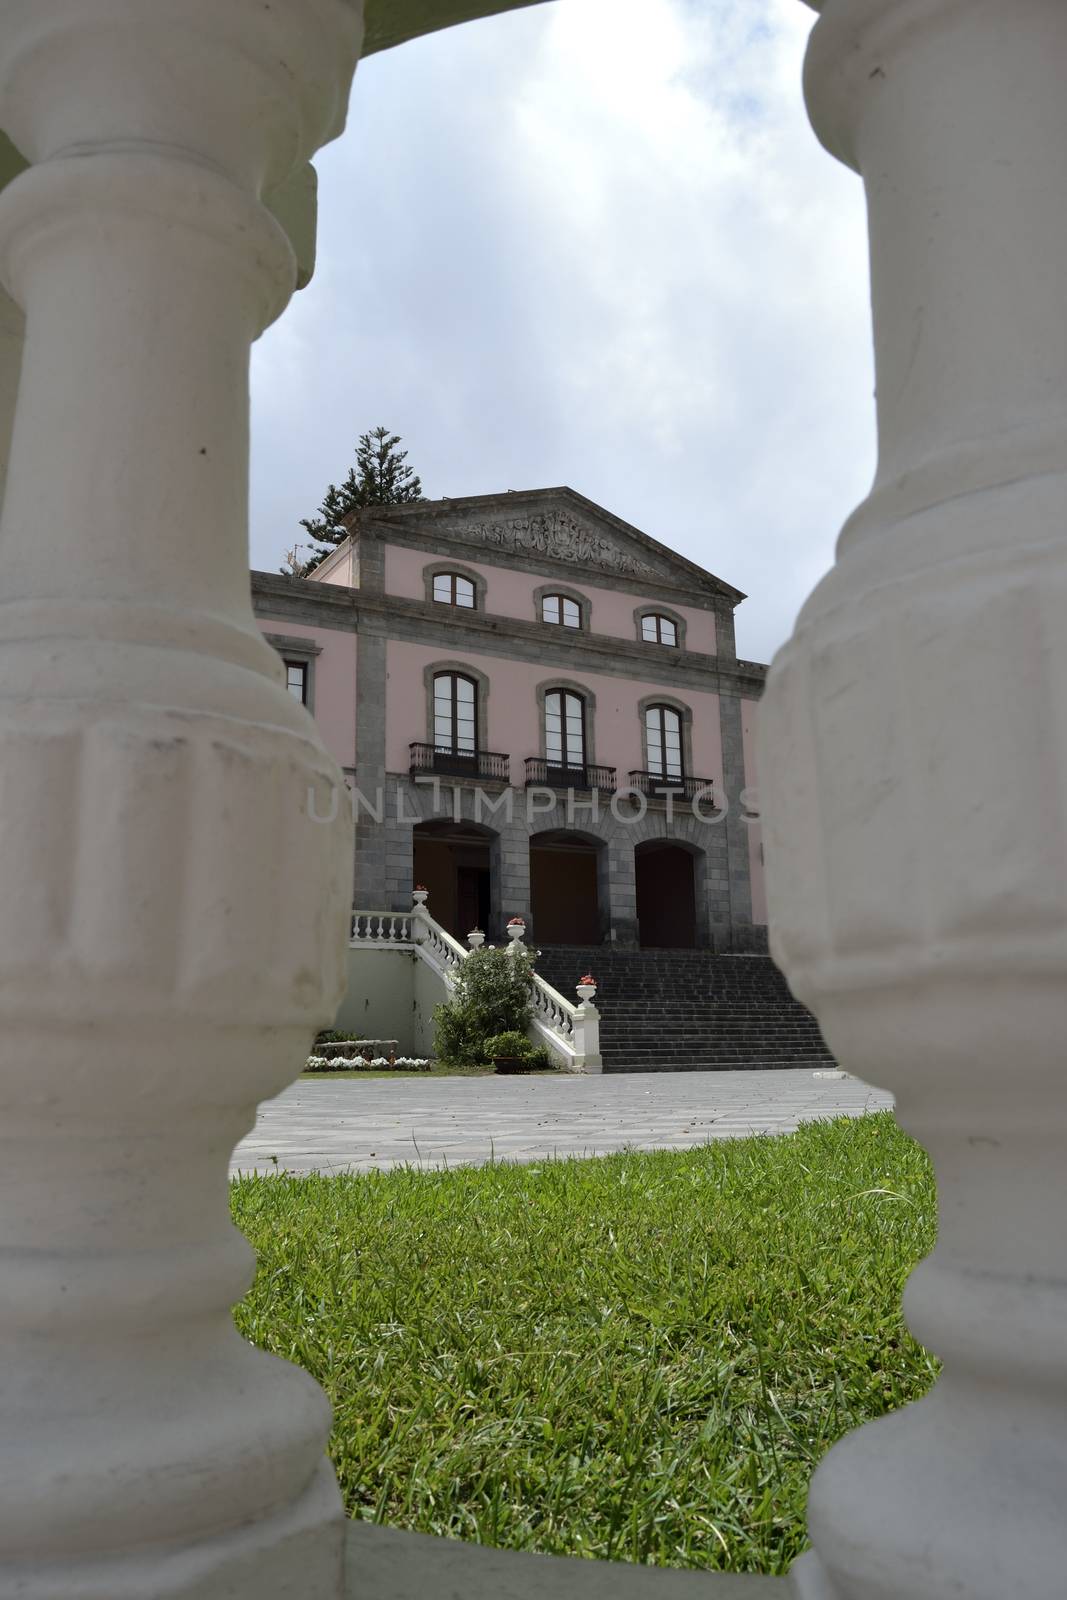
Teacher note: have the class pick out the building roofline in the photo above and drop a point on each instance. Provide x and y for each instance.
(446, 505)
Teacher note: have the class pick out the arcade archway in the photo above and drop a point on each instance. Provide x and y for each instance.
(455, 863)
(665, 881)
(565, 888)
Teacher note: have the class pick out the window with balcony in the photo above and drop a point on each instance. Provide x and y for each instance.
(663, 743)
(561, 610)
(565, 733)
(453, 589)
(455, 716)
(658, 629)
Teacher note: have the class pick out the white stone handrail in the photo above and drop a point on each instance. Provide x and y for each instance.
(553, 1009)
(570, 1032)
(436, 943)
(381, 928)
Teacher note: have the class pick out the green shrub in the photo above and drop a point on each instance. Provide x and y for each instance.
(508, 1044)
(492, 996)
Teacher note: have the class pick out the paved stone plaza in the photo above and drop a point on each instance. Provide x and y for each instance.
(353, 1124)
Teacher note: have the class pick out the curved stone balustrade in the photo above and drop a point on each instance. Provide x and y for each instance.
(176, 840)
(913, 753)
(174, 837)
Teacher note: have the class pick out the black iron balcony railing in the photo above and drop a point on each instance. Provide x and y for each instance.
(481, 766)
(654, 786)
(552, 776)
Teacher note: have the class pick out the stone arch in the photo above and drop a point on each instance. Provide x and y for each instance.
(569, 885)
(459, 863)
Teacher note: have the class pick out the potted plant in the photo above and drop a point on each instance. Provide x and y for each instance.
(510, 1052)
(420, 894)
(516, 928)
(586, 987)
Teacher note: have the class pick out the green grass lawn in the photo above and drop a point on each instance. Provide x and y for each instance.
(640, 1357)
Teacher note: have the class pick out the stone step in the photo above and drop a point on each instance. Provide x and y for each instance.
(690, 1011)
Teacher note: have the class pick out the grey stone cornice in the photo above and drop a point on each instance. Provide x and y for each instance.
(416, 621)
(333, 604)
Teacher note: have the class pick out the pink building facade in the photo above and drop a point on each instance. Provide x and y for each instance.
(541, 713)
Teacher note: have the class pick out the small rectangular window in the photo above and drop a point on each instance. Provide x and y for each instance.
(572, 616)
(296, 680)
(550, 608)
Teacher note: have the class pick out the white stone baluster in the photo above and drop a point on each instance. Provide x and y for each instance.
(162, 877)
(913, 747)
(587, 1030)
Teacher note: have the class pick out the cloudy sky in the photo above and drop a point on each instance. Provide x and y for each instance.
(595, 243)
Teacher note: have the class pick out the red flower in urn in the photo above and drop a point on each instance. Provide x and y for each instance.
(588, 978)
(516, 922)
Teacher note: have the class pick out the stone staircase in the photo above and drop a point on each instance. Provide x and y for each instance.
(689, 1010)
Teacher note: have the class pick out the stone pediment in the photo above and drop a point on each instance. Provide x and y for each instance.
(552, 526)
(556, 534)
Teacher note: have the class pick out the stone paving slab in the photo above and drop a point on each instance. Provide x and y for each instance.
(356, 1125)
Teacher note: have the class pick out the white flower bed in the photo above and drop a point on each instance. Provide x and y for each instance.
(358, 1064)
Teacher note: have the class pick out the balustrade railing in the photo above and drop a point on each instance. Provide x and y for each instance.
(552, 776)
(481, 766)
(654, 786)
(556, 1013)
(381, 927)
(573, 1032)
(436, 943)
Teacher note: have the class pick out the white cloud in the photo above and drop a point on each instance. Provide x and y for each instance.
(594, 242)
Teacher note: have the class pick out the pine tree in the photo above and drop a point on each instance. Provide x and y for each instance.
(382, 479)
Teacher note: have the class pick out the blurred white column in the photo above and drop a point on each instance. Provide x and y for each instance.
(913, 745)
(172, 920)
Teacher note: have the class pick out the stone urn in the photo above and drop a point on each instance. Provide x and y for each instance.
(420, 895)
(586, 988)
(476, 938)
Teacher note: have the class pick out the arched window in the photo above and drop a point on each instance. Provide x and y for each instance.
(455, 715)
(562, 610)
(658, 629)
(663, 740)
(453, 589)
(564, 731)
